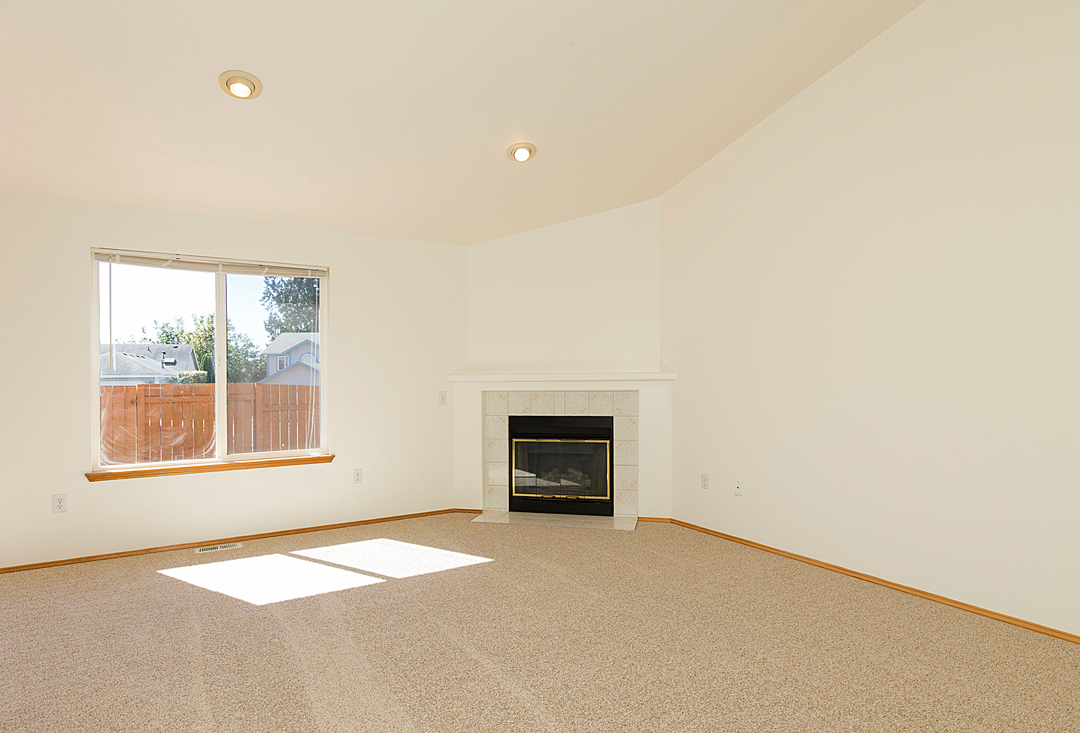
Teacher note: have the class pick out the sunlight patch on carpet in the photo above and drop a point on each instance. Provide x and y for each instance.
(269, 578)
(392, 558)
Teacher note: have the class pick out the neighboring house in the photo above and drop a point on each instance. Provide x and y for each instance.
(145, 363)
(292, 358)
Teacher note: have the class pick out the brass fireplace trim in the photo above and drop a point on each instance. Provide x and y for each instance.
(513, 468)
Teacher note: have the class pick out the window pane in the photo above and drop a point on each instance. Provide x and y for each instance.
(273, 363)
(156, 332)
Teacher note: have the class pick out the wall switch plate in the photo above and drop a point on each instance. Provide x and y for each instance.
(59, 503)
(704, 480)
(358, 475)
(442, 396)
(738, 487)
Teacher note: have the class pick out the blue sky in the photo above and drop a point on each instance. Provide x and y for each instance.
(141, 295)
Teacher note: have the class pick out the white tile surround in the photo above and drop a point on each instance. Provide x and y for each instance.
(621, 405)
(639, 402)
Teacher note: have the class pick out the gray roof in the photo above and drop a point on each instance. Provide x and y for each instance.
(148, 359)
(277, 375)
(286, 342)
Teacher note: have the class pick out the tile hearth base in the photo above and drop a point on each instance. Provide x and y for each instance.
(501, 516)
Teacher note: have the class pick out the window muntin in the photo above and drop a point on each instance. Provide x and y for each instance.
(177, 417)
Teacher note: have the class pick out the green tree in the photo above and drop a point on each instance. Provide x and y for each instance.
(164, 333)
(244, 363)
(292, 305)
(207, 365)
(168, 333)
(201, 337)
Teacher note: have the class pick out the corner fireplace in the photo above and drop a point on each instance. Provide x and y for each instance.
(561, 465)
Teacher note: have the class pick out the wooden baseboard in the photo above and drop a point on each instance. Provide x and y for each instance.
(223, 540)
(1039, 628)
(1056, 633)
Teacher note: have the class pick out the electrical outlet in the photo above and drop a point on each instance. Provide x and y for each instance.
(59, 503)
(358, 475)
(704, 480)
(738, 487)
(442, 396)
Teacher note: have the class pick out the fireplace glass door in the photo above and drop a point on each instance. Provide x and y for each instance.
(561, 469)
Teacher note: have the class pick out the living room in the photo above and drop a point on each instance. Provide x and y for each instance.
(859, 306)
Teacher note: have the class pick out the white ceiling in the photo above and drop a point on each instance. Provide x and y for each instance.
(393, 118)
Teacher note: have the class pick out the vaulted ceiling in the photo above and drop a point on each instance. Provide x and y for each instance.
(393, 118)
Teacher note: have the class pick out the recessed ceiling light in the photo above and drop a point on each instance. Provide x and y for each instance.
(521, 152)
(240, 87)
(240, 84)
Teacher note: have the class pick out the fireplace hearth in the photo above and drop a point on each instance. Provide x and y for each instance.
(561, 465)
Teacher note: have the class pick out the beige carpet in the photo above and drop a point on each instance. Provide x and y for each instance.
(659, 629)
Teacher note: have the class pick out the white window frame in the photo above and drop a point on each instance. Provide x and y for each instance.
(282, 359)
(220, 267)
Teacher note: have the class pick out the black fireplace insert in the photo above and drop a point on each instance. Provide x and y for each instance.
(562, 465)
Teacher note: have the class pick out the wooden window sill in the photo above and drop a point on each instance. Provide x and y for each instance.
(162, 470)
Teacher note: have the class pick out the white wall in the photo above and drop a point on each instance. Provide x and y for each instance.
(872, 301)
(580, 298)
(396, 328)
(574, 297)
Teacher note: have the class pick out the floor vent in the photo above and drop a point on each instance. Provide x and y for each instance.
(215, 548)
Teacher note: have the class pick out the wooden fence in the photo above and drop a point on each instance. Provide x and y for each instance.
(149, 423)
(266, 417)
